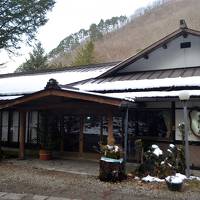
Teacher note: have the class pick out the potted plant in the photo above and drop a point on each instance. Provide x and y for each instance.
(111, 164)
(174, 183)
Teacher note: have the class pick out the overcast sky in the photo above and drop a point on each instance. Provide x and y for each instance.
(69, 16)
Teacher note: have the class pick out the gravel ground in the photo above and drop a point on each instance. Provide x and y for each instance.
(28, 179)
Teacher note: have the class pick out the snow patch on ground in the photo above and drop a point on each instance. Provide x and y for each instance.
(194, 178)
(177, 178)
(152, 179)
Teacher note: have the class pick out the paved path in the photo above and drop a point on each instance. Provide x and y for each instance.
(14, 196)
(76, 166)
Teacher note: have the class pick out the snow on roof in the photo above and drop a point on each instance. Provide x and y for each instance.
(23, 84)
(146, 94)
(3, 98)
(142, 84)
(12, 97)
(96, 94)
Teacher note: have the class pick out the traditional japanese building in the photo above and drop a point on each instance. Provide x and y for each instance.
(137, 98)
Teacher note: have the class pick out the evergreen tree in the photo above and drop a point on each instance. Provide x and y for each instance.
(85, 55)
(37, 60)
(20, 19)
(95, 33)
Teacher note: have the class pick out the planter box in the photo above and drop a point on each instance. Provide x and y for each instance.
(111, 169)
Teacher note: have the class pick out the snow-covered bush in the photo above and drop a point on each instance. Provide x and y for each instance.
(152, 159)
(161, 164)
(174, 159)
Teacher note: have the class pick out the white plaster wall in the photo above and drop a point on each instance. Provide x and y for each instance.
(180, 119)
(172, 57)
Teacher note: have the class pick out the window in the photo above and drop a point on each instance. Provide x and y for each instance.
(92, 125)
(5, 126)
(32, 127)
(92, 130)
(152, 123)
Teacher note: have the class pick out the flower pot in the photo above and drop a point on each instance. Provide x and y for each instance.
(45, 155)
(174, 186)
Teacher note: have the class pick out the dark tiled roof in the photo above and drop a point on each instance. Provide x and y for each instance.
(158, 74)
(83, 68)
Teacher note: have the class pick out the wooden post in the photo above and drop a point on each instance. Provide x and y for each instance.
(173, 119)
(62, 134)
(1, 116)
(101, 130)
(81, 135)
(125, 134)
(111, 139)
(22, 130)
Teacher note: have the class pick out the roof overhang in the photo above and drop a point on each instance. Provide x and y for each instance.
(154, 96)
(66, 94)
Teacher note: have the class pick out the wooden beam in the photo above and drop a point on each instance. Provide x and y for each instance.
(66, 94)
(81, 135)
(111, 139)
(67, 105)
(78, 108)
(22, 135)
(1, 115)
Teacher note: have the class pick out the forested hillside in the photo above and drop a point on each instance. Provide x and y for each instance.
(128, 37)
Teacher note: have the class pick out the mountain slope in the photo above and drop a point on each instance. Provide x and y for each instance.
(143, 31)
